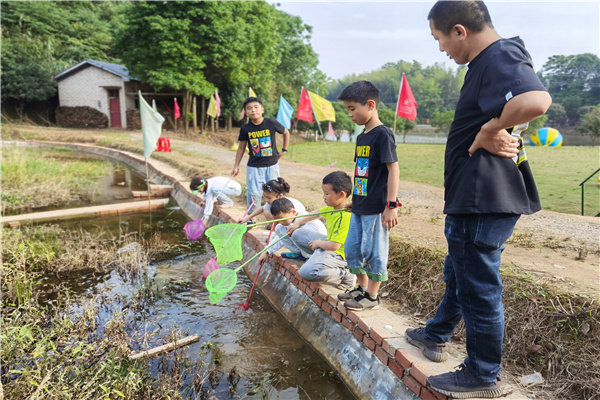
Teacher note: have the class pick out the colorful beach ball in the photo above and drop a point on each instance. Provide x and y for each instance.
(546, 137)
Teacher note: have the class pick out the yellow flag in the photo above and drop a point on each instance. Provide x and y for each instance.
(323, 108)
(212, 107)
(251, 93)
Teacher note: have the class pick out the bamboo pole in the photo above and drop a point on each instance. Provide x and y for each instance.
(164, 348)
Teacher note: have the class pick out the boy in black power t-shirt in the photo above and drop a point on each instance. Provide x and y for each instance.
(486, 191)
(259, 136)
(374, 200)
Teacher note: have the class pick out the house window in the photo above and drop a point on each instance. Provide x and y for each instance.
(113, 93)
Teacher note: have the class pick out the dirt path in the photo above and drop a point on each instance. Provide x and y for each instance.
(559, 249)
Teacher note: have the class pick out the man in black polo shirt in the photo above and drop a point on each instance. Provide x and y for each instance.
(485, 191)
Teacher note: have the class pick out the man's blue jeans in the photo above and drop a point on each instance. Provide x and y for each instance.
(474, 289)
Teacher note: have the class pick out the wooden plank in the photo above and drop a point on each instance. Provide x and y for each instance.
(103, 210)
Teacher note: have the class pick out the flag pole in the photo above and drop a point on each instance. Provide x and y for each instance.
(148, 187)
(312, 106)
(398, 101)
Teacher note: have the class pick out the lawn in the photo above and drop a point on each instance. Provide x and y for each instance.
(558, 171)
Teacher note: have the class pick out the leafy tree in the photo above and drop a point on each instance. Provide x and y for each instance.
(299, 62)
(342, 119)
(41, 38)
(590, 124)
(434, 87)
(442, 121)
(24, 80)
(196, 47)
(537, 123)
(573, 81)
(556, 113)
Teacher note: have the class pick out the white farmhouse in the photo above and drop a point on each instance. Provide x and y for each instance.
(103, 86)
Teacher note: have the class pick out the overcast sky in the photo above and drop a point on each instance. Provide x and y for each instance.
(356, 37)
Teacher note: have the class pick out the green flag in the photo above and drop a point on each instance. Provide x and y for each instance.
(151, 126)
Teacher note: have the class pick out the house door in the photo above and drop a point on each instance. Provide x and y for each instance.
(115, 108)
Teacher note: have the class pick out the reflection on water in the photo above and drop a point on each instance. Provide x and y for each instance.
(259, 343)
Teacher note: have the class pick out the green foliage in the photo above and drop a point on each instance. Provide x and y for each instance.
(25, 80)
(573, 81)
(537, 123)
(342, 120)
(25, 172)
(590, 124)
(556, 114)
(442, 121)
(41, 38)
(199, 46)
(435, 88)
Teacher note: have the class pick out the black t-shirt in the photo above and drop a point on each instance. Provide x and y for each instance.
(485, 183)
(373, 150)
(262, 142)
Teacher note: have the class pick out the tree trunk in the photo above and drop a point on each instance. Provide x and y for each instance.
(195, 111)
(187, 103)
(21, 109)
(229, 122)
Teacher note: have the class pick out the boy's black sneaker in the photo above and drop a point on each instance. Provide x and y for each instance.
(432, 350)
(362, 302)
(350, 294)
(464, 384)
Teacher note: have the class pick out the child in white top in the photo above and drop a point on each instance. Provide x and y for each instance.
(215, 190)
(273, 190)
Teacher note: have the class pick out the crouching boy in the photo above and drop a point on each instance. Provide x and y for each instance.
(328, 261)
(297, 243)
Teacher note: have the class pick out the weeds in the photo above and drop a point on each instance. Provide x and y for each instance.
(70, 346)
(548, 331)
(523, 239)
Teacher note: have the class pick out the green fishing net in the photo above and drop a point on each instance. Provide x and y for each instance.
(220, 282)
(227, 241)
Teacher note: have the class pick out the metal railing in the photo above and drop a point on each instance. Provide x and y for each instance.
(582, 190)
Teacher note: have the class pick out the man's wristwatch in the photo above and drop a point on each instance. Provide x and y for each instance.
(393, 204)
(283, 149)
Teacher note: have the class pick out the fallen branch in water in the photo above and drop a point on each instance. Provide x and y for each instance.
(165, 348)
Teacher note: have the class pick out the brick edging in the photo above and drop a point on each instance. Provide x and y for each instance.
(397, 360)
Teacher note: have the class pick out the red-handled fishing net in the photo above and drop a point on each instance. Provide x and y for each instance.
(212, 264)
(227, 241)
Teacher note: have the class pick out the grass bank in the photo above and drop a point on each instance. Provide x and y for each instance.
(547, 331)
(38, 177)
(557, 171)
(65, 345)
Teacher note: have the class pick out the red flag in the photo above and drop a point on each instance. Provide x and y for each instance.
(304, 111)
(407, 105)
(176, 107)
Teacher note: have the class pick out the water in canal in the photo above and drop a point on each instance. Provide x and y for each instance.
(273, 361)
